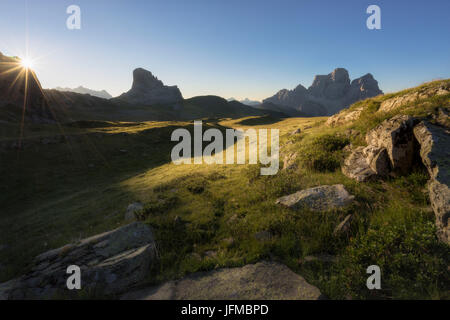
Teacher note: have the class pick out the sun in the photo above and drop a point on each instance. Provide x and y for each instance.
(26, 63)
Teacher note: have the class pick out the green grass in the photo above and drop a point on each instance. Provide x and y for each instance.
(323, 153)
(50, 195)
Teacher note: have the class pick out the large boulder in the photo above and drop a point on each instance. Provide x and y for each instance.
(396, 135)
(260, 281)
(110, 263)
(378, 159)
(322, 198)
(435, 153)
(365, 163)
(356, 166)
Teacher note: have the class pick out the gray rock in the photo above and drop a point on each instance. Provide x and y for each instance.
(396, 135)
(410, 97)
(289, 161)
(322, 198)
(322, 257)
(378, 160)
(344, 226)
(260, 281)
(435, 153)
(443, 118)
(132, 209)
(356, 166)
(110, 263)
(344, 116)
(296, 131)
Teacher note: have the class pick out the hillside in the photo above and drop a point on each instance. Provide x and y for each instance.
(71, 182)
(148, 100)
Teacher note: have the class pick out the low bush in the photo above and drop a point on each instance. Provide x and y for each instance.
(323, 153)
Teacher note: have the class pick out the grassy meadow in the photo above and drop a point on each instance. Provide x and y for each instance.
(213, 216)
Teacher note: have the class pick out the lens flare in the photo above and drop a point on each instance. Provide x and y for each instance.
(26, 63)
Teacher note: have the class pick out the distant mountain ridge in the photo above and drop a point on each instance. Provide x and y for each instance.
(82, 90)
(328, 94)
(247, 102)
(148, 100)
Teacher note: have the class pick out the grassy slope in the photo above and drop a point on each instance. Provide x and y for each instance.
(51, 195)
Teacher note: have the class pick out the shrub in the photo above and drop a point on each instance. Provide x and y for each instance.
(323, 153)
(162, 204)
(412, 261)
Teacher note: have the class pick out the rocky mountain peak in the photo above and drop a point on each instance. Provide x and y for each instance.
(148, 90)
(327, 94)
(144, 79)
(333, 85)
(340, 75)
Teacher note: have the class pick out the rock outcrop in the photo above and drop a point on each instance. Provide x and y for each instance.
(148, 90)
(410, 97)
(345, 116)
(110, 263)
(344, 226)
(435, 153)
(328, 93)
(260, 281)
(322, 198)
(289, 161)
(393, 147)
(365, 163)
(390, 148)
(132, 209)
(396, 136)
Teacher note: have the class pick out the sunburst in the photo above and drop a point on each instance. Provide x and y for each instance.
(27, 63)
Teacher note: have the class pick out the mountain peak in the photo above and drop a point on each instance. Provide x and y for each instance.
(340, 75)
(144, 79)
(328, 93)
(148, 89)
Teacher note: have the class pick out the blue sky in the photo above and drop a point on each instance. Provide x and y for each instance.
(229, 48)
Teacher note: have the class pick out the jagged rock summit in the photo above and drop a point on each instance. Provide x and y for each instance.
(148, 90)
(328, 94)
